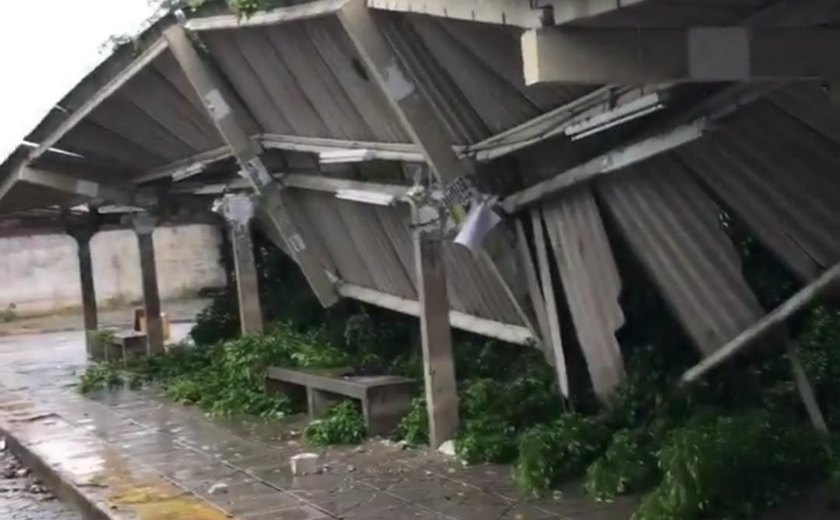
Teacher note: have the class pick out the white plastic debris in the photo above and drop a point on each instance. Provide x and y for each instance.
(219, 488)
(305, 464)
(2, 444)
(447, 448)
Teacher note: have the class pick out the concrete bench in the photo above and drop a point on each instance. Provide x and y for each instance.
(127, 346)
(385, 399)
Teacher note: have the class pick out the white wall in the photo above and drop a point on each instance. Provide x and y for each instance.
(40, 274)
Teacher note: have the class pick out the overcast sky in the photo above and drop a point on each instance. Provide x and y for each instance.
(46, 47)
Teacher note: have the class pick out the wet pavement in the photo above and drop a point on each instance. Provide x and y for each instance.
(141, 455)
(24, 498)
(140, 435)
(119, 317)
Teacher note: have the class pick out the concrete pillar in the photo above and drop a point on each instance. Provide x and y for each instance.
(238, 211)
(144, 225)
(83, 233)
(438, 364)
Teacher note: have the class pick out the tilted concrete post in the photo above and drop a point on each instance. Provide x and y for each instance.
(144, 225)
(238, 211)
(438, 363)
(83, 233)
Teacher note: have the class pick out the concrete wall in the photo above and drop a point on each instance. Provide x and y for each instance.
(40, 274)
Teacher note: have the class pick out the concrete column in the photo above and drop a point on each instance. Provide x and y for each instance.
(238, 211)
(144, 225)
(83, 233)
(88, 287)
(438, 365)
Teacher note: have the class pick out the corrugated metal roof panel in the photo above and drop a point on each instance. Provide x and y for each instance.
(485, 63)
(372, 247)
(812, 105)
(304, 79)
(477, 288)
(321, 212)
(781, 178)
(673, 227)
(153, 120)
(591, 283)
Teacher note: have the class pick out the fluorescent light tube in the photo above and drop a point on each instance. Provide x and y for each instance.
(367, 197)
(345, 156)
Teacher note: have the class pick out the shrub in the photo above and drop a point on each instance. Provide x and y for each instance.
(100, 376)
(628, 466)
(486, 440)
(550, 453)
(817, 346)
(732, 467)
(414, 427)
(217, 322)
(342, 424)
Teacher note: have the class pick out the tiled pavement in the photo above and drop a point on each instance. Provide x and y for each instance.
(169, 449)
(193, 452)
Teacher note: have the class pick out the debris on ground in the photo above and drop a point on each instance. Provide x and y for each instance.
(305, 464)
(219, 488)
(18, 488)
(447, 448)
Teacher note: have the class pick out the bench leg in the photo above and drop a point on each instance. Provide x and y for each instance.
(385, 408)
(318, 402)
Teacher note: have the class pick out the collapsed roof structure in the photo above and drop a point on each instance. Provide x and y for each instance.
(363, 126)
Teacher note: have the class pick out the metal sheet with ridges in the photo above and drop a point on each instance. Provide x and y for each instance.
(591, 283)
(673, 227)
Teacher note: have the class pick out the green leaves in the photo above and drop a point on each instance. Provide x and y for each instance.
(414, 427)
(550, 453)
(342, 424)
(628, 466)
(732, 467)
(100, 376)
(486, 439)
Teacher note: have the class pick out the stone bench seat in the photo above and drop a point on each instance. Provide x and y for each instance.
(127, 346)
(385, 399)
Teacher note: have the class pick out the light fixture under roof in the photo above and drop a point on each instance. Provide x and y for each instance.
(367, 197)
(351, 155)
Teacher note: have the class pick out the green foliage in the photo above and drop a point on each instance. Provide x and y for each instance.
(100, 376)
(342, 424)
(240, 7)
(382, 342)
(628, 466)
(230, 379)
(99, 341)
(217, 322)
(769, 279)
(550, 453)
(8, 315)
(833, 458)
(818, 346)
(486, 439)
(732, 467)
(414, 427)
(513, 388)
